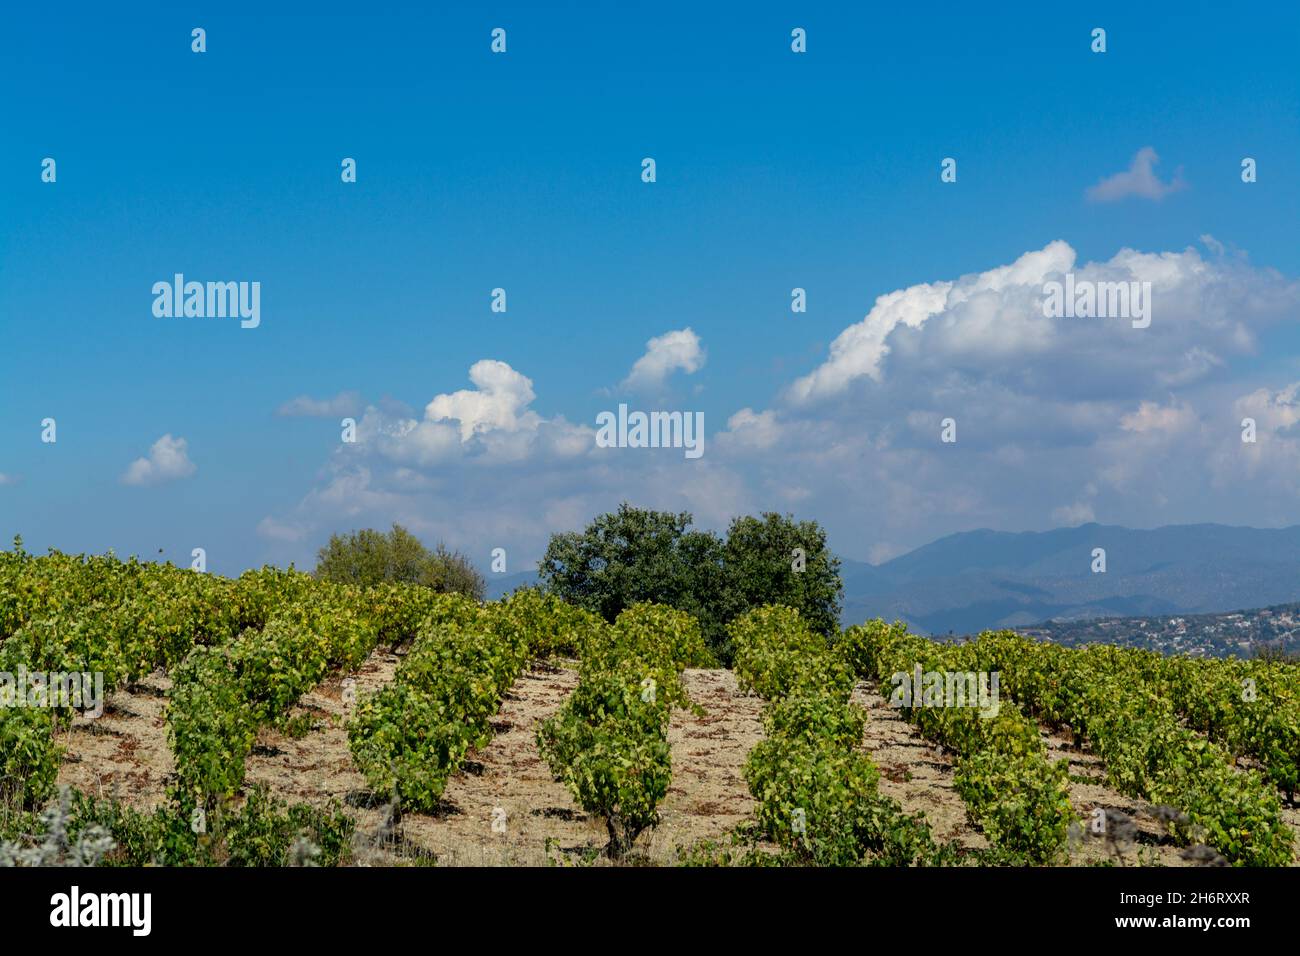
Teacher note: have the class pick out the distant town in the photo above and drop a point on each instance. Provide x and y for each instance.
(1227, 634)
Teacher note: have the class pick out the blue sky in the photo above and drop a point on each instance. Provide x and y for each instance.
(522, 171)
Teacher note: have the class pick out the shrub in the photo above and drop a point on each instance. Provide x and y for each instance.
(610, 747)
(209, 726)
(609, 741)
(369, 558)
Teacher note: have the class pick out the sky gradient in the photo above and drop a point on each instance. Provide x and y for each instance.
(522, 171)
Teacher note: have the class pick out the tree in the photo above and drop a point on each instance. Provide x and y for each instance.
(634, 555)
(777, 560)
(370, 557)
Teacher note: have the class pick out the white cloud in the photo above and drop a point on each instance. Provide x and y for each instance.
(168, 461)
(500, 401)
(986, 333)
(983, 323)
(452, 475)
(344, 403)
(1057, 419)
(665, 354)
(1152, 417)
(8, 479)
(1070, 516)
(1273, 411)
(490, 424)
(276, 530)
(750, 429)
(1138, 180)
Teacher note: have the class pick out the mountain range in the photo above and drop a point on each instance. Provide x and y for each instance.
(973, 580)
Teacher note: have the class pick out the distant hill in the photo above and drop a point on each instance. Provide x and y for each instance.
(984, 579)
(499, 585)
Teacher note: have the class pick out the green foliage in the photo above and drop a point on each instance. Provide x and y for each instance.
(221, 695)
(369, 558)
(776, 654)
(1247, 707)
(263, 832)
(29, 758)
(412, 735)
(615, 760)
(609, 742)
(653, 634)
(1016, 795)
(758, 558)
(209, 726)
(1110, 697)
(830, 790)
(816, 791)
(260, 833)
(817, 716)
(555, 627)
(635, 555)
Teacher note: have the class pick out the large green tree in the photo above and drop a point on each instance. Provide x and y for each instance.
(635, 554)
(370, 557)
(632, 555)
(774, 559)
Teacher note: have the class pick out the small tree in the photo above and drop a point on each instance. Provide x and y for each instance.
(370, 557)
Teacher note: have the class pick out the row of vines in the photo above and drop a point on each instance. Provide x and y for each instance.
(815, 789)
(1216, 741)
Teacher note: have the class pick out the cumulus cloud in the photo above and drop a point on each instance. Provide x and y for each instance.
(344, 403)
(1274, 411)
(970, 311)
(499, 402)
(665, 354)
(1138, 180)
(1059, 421)
(750, 429)
(988, 331)
(1152, 417)
(1070, 516)
(168, 460)
(467, 468)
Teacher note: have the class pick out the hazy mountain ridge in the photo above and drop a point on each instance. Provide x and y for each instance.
(983, 579)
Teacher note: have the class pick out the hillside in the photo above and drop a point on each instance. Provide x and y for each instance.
(279, 719)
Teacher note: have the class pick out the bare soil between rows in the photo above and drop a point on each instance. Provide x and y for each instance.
(504, 808)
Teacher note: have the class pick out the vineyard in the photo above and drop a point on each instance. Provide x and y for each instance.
(278, 719)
